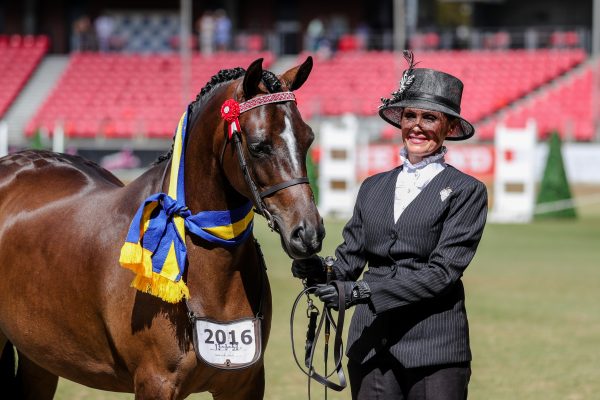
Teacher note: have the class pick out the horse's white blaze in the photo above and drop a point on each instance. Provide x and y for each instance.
(290, 140)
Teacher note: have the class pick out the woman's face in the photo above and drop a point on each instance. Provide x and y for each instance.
(424, 131)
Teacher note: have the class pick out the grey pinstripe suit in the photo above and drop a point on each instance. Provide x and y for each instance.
(416, 310)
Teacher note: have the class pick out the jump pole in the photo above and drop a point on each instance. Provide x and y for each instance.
(3, 138)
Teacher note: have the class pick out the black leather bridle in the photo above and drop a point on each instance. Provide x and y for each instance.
(230, 112)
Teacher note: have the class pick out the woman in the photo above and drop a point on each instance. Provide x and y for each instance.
(417, 228)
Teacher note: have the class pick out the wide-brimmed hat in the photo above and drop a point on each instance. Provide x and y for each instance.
(427, 89)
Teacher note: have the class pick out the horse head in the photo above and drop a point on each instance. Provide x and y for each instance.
(274, 141)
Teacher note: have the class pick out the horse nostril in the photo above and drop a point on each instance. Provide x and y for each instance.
(298, 232)
(307, 238)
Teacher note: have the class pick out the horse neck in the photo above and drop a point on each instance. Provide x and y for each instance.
(206, 186)
(224, 276)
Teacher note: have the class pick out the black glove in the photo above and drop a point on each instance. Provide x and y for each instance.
(312, 269)
(355, 293)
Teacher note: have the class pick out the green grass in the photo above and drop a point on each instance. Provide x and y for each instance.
(533, 298)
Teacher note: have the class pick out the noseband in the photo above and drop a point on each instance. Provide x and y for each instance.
(230, 111)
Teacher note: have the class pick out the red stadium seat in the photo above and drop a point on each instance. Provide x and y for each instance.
(493, 80)
(19, 56)
(120, 95)
(566, 108)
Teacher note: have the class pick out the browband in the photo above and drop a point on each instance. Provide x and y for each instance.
(266, 99)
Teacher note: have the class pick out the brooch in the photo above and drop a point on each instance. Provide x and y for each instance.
(444, 193)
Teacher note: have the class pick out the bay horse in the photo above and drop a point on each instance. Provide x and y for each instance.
(66, 304)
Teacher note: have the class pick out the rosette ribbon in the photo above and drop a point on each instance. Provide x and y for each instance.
(230, 111)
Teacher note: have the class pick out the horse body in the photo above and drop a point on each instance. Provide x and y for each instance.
(66, 304)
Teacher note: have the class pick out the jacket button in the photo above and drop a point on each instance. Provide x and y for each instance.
(383, 341)
(394, 235)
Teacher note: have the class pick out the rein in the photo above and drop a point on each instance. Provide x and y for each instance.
(312, 336)
(230, 111)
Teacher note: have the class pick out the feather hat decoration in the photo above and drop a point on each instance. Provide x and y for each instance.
(407, 79)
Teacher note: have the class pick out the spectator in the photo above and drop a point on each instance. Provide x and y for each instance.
(315, 32)
(222, 30)
(83, 37)
(362, 33)
(206, 32)
(104, 28)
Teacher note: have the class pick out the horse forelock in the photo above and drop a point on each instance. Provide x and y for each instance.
(269, 79)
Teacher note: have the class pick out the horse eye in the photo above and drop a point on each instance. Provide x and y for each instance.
(259, 149)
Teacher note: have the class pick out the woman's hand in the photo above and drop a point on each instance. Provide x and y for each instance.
(312, 269)
(354, 293)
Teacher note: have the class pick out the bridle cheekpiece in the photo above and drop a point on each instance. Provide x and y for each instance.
(230, 112)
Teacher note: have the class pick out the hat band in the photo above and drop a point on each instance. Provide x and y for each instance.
(436, 99)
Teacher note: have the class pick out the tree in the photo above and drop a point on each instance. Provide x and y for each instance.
(312, 171)
(37, 141)
(554, 198)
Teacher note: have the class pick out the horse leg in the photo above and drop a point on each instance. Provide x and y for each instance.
(34, 381)
(8, 383)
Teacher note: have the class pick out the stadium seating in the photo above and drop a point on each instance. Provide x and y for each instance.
(19, 56)
(126, 95)
(565, 108)
(354, 82)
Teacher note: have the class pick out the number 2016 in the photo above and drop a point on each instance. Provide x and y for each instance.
(220, 336)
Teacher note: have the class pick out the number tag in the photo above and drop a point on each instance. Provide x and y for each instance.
(228, 345)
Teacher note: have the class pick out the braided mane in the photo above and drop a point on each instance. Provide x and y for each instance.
(269, 79)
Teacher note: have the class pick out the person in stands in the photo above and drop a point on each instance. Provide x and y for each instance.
(417, 228)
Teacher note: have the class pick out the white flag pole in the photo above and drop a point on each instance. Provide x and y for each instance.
(58, 138)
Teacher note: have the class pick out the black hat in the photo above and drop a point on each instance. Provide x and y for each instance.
(427, 89)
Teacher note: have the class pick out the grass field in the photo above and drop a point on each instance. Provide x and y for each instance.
(533, 298)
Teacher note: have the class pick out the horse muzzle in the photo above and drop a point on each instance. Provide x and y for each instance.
(302, 240)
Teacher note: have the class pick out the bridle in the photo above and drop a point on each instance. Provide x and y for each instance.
(230, 111)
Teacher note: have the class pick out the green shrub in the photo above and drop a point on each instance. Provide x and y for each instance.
(554, 188)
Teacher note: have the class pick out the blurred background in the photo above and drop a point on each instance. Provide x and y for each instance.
(108, 80)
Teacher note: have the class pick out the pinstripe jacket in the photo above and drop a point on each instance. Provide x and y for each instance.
(416, 311)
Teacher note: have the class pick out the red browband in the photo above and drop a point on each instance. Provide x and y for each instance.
(266, 99)
(231, 109)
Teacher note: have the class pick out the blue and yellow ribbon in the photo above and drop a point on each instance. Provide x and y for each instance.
(155, 245)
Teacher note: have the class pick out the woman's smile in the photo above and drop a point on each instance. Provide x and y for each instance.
(423, 132)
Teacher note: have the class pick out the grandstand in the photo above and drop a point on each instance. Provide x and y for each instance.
(130, 91)
(115, 95)
(493, 80)
(126, 95)
(564, 107)
(19, 56)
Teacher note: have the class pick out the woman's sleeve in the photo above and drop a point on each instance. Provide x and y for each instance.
(350, 259)
(460, 236)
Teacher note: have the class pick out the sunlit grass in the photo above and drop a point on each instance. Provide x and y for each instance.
(533, 300)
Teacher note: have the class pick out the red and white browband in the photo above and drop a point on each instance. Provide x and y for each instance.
(231, 109)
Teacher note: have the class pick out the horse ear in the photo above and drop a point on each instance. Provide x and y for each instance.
(252, 79)
(296, 76)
